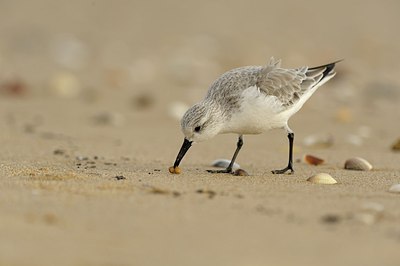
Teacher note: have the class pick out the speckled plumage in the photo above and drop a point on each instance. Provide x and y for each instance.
(252, 100)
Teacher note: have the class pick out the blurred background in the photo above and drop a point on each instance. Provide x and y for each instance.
(91, 93)
(136, 61)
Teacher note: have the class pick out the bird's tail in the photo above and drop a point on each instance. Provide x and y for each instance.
(328, 68)
(322, 73)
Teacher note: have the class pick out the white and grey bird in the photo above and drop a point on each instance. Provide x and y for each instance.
(252, 100)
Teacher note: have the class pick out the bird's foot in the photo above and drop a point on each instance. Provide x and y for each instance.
(284, 170)
(223, 171)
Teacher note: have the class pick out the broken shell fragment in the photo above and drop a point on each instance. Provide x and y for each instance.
(322, 178)
(240, 172)
(310, 159)
(395, 188)
(357, 163)
(174, 170)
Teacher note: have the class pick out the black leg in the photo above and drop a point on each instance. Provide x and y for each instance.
(230, 166)
(290, 164)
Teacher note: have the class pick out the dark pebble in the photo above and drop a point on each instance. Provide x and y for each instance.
(58, 152)
(120, 177)
(240, 172)
(331, 219)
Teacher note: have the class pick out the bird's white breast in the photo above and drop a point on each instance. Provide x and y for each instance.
(257, 113)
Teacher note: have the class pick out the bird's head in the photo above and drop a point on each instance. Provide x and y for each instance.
(199, 123)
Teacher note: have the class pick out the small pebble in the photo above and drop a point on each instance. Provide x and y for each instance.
(65, 85)
(310, 159)
(240, 172)
(161, 191)
(395, 188)
(322, 178)
(176, 193)
(224, 163)
(120, 177)
(58, 152)
(13, 87)
(331, 218)
(211, 194)
(358, 164)
(143, 101)
(174, 170)
(396, 146)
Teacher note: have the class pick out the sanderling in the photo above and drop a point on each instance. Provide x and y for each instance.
(251, 100)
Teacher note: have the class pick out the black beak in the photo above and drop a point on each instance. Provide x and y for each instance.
(185, 147)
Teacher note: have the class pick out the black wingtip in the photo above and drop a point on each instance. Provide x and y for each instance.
(329, 67)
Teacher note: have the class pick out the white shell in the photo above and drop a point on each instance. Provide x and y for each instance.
(357, 163)
(322, 178)
(395, 188)
(224, 163)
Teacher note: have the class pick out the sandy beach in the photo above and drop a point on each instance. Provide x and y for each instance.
(91, 93)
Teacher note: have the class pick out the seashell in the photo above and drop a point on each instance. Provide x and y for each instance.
(357, 163)
(240, 172)
(395, 188)
(224, 163)
(396, 146)
(310, 159)
(322, 178)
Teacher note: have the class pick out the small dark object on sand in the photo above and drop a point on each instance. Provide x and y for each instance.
(120, 177)
(396, 146)
(240, 172)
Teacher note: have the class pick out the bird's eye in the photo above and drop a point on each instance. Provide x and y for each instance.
(197, 129)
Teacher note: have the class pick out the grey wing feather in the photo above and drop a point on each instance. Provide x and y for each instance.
(288, 85)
